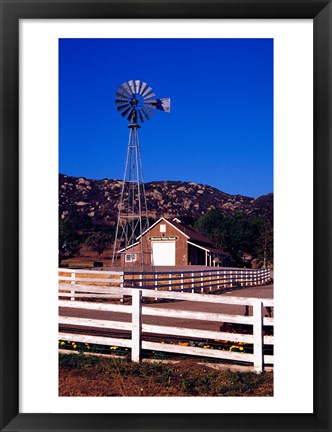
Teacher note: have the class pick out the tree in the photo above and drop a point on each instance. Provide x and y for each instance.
(99, 242)
(69, 239)
(238, 234)
(264, 244)
(213, 225)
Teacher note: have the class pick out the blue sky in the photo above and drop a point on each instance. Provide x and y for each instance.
(219, 131)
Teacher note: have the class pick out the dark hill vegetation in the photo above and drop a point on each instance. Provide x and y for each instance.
(238, 224)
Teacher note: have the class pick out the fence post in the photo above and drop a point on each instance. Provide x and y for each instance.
(258, 336)
(156, 284)
(181, 282)
(137, 325)
(121, 286)
(218, 286)
(202, 284)
(72, 283)
(170, 282)
(192, 283)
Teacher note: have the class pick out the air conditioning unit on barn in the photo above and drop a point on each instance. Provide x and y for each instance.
(130, 257)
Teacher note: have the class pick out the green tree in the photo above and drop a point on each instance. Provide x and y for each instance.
(213, 225)
(99, 242)
(264, 244)
(238, 234)
(69, 239)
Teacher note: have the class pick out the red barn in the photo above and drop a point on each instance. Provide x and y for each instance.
(173, 243)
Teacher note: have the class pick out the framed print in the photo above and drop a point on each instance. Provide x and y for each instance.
(39, 40)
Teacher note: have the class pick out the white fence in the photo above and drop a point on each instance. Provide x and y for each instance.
(203, 280)
(89, 283)
(183, 281)
(138, 330)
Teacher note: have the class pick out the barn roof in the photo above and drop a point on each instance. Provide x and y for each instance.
(190, 232)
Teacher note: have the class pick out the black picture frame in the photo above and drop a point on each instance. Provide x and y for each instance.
(11, 12)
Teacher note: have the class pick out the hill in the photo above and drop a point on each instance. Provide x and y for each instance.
(98, 199)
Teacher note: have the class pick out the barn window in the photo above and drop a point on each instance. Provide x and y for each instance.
(163, 228)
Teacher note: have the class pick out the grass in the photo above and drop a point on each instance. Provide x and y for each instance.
(81, 375)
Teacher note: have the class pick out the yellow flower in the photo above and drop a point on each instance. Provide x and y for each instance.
(113, 348)
(236, 347)
(62, 343)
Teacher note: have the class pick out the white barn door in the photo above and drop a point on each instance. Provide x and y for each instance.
(163, 253)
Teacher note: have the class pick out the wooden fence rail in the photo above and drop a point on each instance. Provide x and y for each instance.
(192, 281)
(138, 331)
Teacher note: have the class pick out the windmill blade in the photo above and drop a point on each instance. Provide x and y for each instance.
(164, 104)
(128, 89)
(121, 102)
(151, 95)
(146, 91)
(122, 96)
(137, 85)
(132, 86)
(145, 113)
(149, 110)
(151, 101)
(151, 105)
(121, 108)
(143, 85)
(124, 113)
(141, 116)
(130, 114)
(123, 91)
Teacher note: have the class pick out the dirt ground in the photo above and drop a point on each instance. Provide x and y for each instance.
(115, 377)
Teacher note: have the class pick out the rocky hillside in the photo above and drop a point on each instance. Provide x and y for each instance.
(99, 199)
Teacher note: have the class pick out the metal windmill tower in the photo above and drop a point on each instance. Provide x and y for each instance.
(136, 102)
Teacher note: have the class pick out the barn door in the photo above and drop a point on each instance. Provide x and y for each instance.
(163, 253)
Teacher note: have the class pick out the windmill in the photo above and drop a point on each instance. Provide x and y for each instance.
(136, 102)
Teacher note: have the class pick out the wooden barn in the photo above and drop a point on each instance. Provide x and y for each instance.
(172, 243)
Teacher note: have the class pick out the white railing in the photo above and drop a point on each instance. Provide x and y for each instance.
(87, 283)
(77, 284)
(202, 280)
(137, 330)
